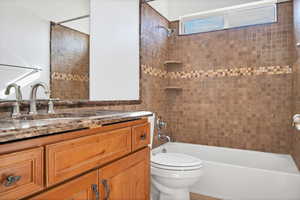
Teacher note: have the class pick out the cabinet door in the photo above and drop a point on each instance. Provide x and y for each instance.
(82, 188)
(21, 173)
(127, 179)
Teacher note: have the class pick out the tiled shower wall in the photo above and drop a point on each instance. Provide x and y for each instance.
(69, 63)
(233, 95)
(296, 88)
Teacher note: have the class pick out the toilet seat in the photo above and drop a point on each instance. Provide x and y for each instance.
(175, 162)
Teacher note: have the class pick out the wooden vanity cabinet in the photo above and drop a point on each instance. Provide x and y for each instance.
(140, 136)
(127, 178)
(70, 158)
(83, 188)
(21, 173)
(103, 163)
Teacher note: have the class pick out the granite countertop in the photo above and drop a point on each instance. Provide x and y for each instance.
(29, 126)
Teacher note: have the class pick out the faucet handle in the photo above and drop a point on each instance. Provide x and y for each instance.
(160, 123)
(51, 106)
(16, 109)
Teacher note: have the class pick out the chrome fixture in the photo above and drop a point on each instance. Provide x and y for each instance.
(298, 44)
(33, 110)
(21, 67)
(160, 124)
(16, 106)
(73, 19)
(164, 137)
(168, 30)
(296, 122)
(51, 106)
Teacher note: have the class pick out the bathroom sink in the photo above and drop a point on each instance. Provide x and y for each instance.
(86, 114)
(27, 121)
(51, 116)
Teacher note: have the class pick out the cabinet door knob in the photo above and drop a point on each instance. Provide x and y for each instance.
(11, 180)
(106, 189)
(95, 190)
(144, 136)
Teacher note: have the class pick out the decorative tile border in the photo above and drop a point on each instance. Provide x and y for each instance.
(69, 77)
(233, 72)
(194, 74)
(154, 71)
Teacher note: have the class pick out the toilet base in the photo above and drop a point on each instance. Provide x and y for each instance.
(176, 195)
(172, 185)
(172, 194)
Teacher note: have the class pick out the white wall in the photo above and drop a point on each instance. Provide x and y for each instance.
(162, 6)
(54, 10)
(114, 50)
(59, 10)
(24, 40)
(82, 25)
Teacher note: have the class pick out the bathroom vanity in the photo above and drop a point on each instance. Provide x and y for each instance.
(106, 158)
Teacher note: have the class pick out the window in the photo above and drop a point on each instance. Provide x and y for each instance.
(204, 24)
(231, 17)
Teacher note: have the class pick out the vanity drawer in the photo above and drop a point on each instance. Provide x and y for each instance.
(140, 136)
(21, 173)
(70, 158)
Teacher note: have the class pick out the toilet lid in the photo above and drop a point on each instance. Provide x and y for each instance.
(178, 160)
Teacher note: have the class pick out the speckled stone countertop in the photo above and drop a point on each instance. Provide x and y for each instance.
(40, 125)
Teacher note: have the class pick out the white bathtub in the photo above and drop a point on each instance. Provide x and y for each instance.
(234, 174)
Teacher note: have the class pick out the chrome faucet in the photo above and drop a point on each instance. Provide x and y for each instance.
(33, 110)
(164, 137)
(160, 125)
(16, 106)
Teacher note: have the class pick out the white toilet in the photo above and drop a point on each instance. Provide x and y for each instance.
(172, 174)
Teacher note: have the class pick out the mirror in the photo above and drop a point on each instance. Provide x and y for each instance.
(49, 41)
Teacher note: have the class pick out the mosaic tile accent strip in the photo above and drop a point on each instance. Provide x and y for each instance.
(154, 71)
(231, 72)
(69, 77)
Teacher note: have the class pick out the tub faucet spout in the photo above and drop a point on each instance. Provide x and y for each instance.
(164, 137)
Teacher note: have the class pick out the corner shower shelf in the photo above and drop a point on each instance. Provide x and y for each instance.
(173, 62)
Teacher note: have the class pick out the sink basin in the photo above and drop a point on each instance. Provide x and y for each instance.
(50, 116)
(57, 116)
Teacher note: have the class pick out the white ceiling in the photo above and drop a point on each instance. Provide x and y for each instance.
(56, 10)
(173, 9)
